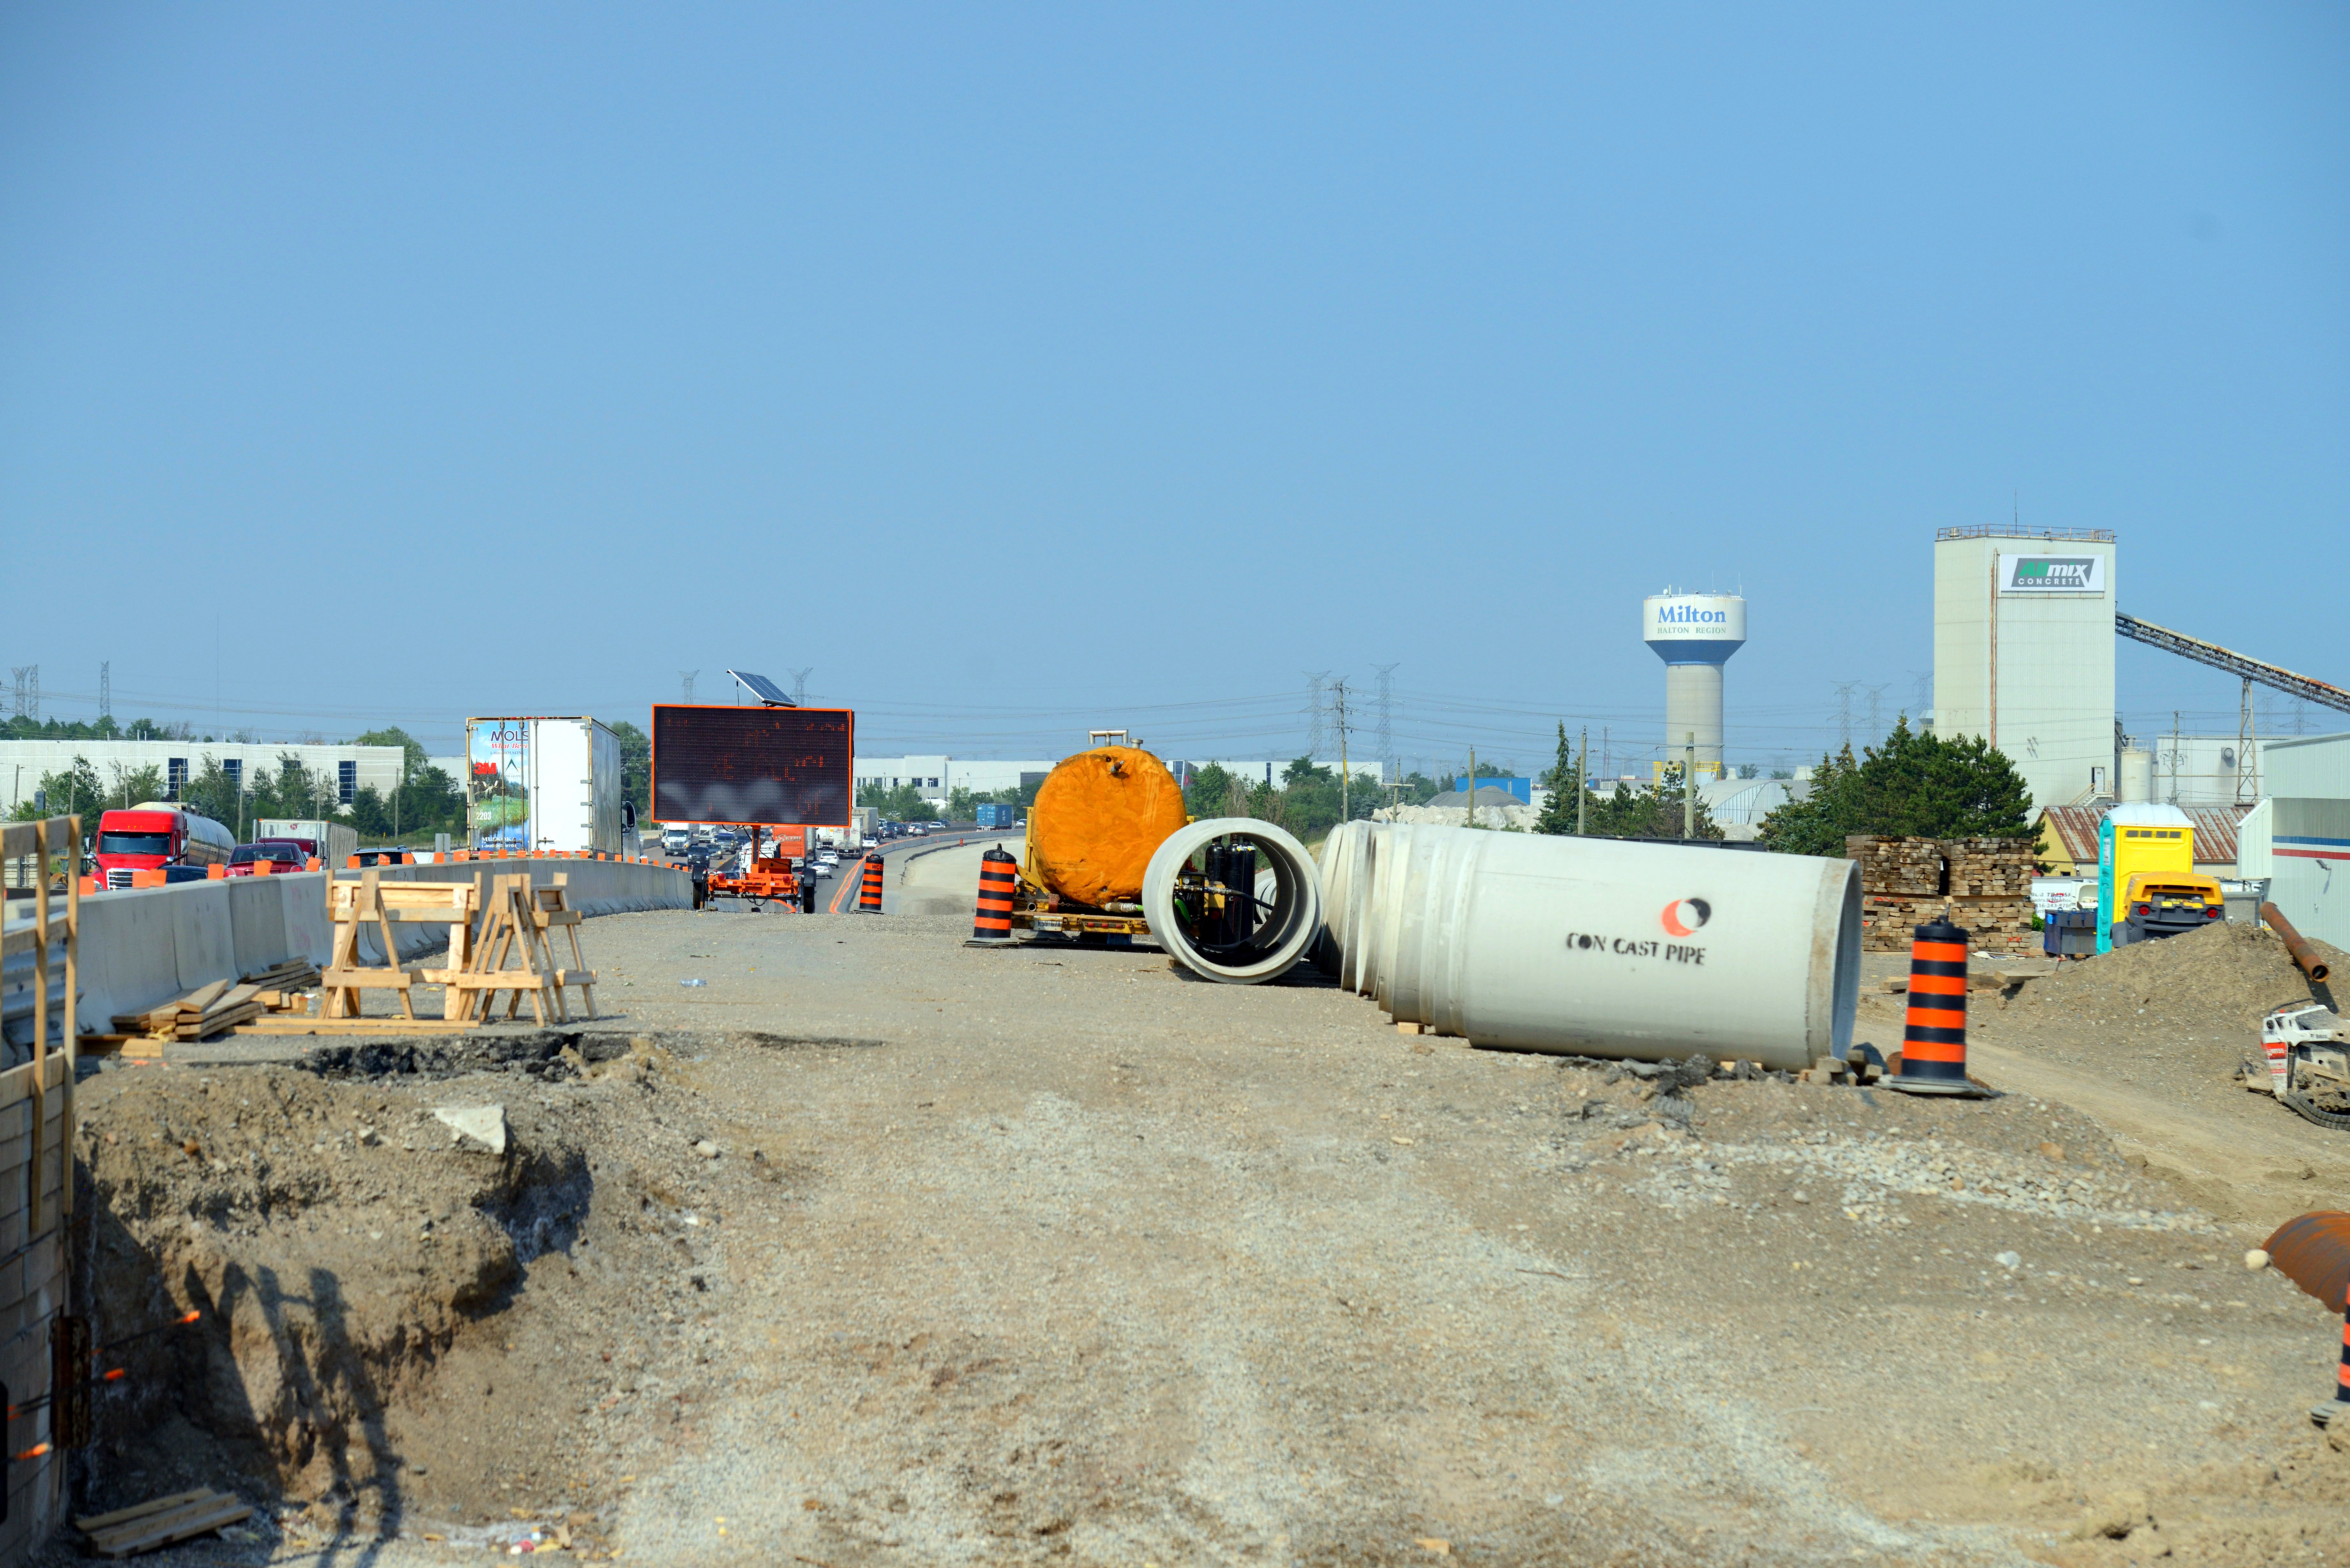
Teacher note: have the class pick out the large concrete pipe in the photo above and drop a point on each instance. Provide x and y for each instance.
(1344, 856)
(1175, 896)
(1600, 947)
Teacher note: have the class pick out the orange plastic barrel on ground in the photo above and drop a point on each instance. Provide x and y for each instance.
(868, 896)
(996, 875)
(1934, 1039)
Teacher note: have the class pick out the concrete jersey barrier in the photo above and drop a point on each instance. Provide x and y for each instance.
(143, 946)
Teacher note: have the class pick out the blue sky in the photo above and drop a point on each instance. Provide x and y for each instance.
(1024, 370)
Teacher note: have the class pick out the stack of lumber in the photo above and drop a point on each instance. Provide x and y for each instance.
(1991, 867)
(202, 1014)
(1984, 886)
(1899, 868)
(179, 1517)
(285, 987)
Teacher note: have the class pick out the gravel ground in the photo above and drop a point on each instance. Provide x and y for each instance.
(1056, 1253)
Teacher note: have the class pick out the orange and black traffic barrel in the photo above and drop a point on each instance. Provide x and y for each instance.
(1934, 1040)
(868, 896)
(993, 923)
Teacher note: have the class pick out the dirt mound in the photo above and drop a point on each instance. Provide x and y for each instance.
(2226, 974)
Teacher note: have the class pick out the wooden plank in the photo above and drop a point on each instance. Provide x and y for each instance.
(140, 1511)
(370, 979)
(195, 1518)
(266, 1025)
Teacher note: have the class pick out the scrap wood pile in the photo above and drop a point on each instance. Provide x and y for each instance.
(1984, 883)
(223, 1005)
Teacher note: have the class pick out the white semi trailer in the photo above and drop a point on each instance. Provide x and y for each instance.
(539, 783)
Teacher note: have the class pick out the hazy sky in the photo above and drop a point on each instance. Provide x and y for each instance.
(1026, 371)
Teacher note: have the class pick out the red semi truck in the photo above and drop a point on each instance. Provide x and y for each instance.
(155, 836)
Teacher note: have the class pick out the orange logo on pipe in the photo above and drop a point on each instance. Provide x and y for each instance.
(1682, 917)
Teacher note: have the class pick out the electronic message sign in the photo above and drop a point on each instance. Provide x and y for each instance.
(773, 767)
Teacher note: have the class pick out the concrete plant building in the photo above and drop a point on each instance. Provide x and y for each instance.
(2023, 651)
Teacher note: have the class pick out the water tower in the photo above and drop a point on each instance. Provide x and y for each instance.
(1694, 634)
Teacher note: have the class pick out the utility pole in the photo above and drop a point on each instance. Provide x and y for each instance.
(1345, 805)
(1582, 773)
(1688, 787)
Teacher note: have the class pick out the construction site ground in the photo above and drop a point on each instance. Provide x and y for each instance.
(874, 1248)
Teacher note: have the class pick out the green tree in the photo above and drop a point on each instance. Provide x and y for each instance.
(1916, 784)
(1564, 778)
(133, 785)
(75, 789)
(902, 804)
(635, 767)
(211, 793)
(411, 749)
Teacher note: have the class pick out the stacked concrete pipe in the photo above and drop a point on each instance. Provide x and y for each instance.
(1600, 947)
(1287, 932)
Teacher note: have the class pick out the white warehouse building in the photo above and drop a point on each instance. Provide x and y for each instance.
(352, 768)
(936, 777)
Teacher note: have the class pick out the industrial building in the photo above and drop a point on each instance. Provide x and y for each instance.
(2023, 651)
(2299, 835)
(935, 778)
(1694, 634)
(351, 768)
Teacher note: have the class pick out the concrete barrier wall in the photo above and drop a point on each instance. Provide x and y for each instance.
(145, 946)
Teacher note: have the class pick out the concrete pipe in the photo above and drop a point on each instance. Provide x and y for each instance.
(1283, 933)
(1375, 917)
(1600, 947)
(1344, 862)
(1408, 862)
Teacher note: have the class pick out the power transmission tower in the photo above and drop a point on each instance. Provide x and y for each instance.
(1875, 698)
(22, 672)
(1390, 766)
(799, 687)
(1844, 710)
(685, 678)
(2248, 772)
(1317, 700)
(1922, 690)
(106, 689)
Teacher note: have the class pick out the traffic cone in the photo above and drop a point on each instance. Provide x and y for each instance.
(1934, 1037)
(993, 922)
(868, 896)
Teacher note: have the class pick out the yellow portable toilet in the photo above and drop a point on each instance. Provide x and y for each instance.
(2140, 836)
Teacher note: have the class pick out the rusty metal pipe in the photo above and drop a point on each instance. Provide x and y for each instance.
(2315, 968)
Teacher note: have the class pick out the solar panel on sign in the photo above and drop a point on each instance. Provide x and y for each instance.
(765, 689)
